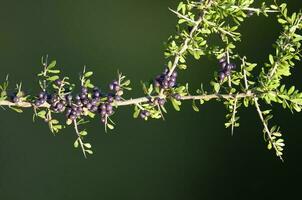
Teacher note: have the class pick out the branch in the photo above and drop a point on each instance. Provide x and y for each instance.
(188, 39)
(269, 134)
(255, 9)
(79, 138)
(139, 100)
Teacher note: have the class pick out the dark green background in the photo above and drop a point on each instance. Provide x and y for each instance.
(188, 156)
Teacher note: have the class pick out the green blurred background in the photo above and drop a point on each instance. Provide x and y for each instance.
(188, 156)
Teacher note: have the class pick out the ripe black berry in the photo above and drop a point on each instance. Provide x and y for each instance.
(221, 76)
(16, 99)
(84, 90)
(69, 97)
(177, 96)
(58, 82)
(144, 114)
(165, 81)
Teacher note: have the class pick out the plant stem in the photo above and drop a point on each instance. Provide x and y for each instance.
(139, 100)
(79, 137)
(269, 134)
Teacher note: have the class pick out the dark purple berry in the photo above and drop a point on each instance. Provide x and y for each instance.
(79, 113)
(96, 89)
(232, 66)
(221, 76)
(68, 112)
(38, 103)
(110, 99)
(250, 13)
(117, 87)
(16, 99)
(117, 98)
(223, 65)
(77, 97)
(171, 84)
(94, 109)
(72, 117)
(173, 79)
(177, 97)
(58, 82)
(69, 97)
(96, 94)
(109, 107)
(144, 114)
(83, 96)
(227, 72)
(161, 102)
(103, 107)
(174, 74)
(88, 106)
(60, 106)
(103, 112)
(111, 86)
(109, 112)
(84, 90)
(156, 83)
(85, 101)
(79, 103)
(41, 95)
(94, 102)
(222, 60)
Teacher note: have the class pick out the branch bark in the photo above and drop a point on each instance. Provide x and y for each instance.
(139, 100)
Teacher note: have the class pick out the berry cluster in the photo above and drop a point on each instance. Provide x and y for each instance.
(117, 91)
(16, 97)
(177, 96)
(106, 110)
(226, 68)
(83, 101)
(159, 101)
(78, 105)
(144, 114)
(165, 81)
(42, 98)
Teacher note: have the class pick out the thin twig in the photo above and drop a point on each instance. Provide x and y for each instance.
(79, 137)
(269, 134)
(255, 9)
(139, 100)
(182, 16)
(234, 114)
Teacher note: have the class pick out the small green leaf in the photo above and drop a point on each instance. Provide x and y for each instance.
(53, 78)
(68, 121)
(54, 71)
(76, 144)
(176, 104)
(110, 126)
(83, 133)
(216, 86)
(269, 146)
(89, 151)
(291, 90)
(282, 21)
(271, 59)
(52, 64)
(16, 110)
(88, 74)
(195, 108)
(87, 145)
(41, 114)
(136, 112)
